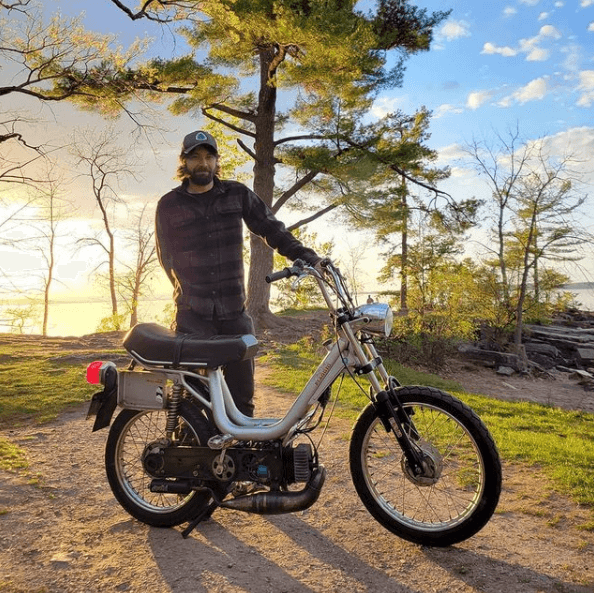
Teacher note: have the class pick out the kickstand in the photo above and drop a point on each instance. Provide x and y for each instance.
(200, 517)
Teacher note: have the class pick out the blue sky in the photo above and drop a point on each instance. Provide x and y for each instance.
(492, 66)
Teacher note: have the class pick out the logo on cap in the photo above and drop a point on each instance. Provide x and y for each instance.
(201, 137)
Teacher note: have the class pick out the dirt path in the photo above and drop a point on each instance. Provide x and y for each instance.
(62, 531)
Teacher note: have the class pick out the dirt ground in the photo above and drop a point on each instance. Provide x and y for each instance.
(61, 530)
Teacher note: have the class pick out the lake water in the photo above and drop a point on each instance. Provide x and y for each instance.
(79, 319)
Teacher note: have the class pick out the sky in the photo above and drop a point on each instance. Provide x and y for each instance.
(492, 67)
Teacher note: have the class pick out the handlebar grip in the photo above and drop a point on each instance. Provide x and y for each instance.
(275, 276)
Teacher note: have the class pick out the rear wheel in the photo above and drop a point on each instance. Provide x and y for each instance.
(128, 438)
(460, 487)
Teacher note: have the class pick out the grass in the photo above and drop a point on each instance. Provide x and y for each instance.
(561, 442)
(36, 384)
(12, 457)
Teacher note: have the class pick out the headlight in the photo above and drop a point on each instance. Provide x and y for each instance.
(380, 318)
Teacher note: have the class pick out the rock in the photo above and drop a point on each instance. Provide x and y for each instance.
(491, 358)
(543, 348)
(582, 377)
(585, 355)
(503, 370)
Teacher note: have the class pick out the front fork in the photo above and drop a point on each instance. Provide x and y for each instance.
(391, 411)
(394, 418)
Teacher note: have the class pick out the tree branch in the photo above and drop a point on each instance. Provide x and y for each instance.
(246, 115)
(315, 216)
(293, 190)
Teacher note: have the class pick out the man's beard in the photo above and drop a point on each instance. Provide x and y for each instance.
(202, 177)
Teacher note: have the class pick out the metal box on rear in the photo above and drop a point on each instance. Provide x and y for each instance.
(139, 390)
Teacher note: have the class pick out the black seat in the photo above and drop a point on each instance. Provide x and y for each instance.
(158, 345)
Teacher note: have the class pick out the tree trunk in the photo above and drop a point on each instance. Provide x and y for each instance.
(112, 288)
(261, 256)
(404, 260)
(135, 298)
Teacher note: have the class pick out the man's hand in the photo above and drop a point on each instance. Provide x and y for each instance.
(322, 264)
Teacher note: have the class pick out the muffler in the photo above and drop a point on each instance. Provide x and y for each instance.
(277, 503)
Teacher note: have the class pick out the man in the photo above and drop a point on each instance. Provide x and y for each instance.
(199, 230)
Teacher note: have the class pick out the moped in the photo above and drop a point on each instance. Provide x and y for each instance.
(422, 462)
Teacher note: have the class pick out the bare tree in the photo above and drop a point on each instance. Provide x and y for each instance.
(51, 209)
(133, 283)
(536, 200)
(503, 166)
(545, 225)
(105, 163)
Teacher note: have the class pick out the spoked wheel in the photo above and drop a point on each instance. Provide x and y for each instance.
(459, 489)
(129, 437)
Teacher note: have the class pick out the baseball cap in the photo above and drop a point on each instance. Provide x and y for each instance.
(199, 138)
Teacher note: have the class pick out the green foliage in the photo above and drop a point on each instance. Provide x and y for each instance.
(20, 318)
(112, 323)
(447, 302)
(167, 316)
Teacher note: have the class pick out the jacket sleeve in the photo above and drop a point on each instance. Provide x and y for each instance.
(163, 250)
(262, 222)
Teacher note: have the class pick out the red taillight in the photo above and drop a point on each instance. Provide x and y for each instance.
(96, 371)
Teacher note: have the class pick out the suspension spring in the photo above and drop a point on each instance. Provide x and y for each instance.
(173, 409)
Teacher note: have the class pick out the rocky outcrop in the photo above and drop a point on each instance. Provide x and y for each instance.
(567, 345)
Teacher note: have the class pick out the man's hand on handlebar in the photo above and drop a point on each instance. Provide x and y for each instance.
(321, 266)
(297, 269)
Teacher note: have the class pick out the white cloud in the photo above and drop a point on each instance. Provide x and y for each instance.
(591, 27)
(455, 30)
(531, 46)
(537, 54)
(509, 11)
(586, 86)
(445, 109)
(384, 105)
(559, 4)
(530, 2)
(586, 3)
(477, 98)
(489, 49)
(573, 58)
(543, 16)
(549, 31)
(450, 155)
(577, 143)
(535, 90)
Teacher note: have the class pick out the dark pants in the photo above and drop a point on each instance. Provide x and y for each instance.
(238, 375)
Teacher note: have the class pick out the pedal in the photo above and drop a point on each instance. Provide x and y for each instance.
(221, 441)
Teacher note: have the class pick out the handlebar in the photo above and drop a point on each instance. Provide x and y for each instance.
(330, 281)
(276, 276)
(295, 270)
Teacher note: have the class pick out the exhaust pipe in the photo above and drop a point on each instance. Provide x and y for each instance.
(277, 503)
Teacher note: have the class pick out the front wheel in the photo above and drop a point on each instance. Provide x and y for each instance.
(128, 438)
(459, 489)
